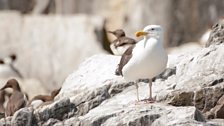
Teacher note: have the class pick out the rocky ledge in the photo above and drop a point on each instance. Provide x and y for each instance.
(190, 92)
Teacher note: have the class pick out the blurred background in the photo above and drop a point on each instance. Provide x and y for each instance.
(52, 37)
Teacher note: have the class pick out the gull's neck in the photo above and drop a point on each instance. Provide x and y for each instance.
(157, 37)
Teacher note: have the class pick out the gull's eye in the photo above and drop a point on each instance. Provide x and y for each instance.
(152, 29)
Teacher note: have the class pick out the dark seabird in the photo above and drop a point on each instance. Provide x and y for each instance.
(1, 61)
(2, 101)
(17, 99)
(40, 99)
(146, 59)
(121, 43)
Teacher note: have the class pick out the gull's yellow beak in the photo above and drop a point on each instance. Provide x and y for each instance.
(140, 33)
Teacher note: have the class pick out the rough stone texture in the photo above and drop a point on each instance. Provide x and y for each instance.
(58, 110)
(60, 41)
(6, 121)
(22, 117)
(217, 111)
(89, 87)
(216, 122)
(198, 80)
(84, 79)
(112, 114)
(217, 34)
(50, 122)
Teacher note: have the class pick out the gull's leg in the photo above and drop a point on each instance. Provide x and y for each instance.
(150, 89)
(150, 99)
(136, 85)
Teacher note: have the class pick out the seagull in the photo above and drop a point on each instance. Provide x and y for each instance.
(17, 99)
(146, 59)
(40, 99)
(122, 43)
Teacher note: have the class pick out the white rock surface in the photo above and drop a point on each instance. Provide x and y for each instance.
(101, 69)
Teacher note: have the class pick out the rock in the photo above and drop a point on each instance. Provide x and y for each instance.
(74, 121)
(51, 122)
(198, 80)
(58, 110)
(6, 121)
(93, 83)
(217, 111)
(155, 114)
(22, 117)
(39, 35)
(216, 122)
(217, 33)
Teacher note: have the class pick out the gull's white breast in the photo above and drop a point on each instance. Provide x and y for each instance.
(148, 60)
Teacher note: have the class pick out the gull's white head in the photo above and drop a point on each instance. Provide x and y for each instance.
(151, 31)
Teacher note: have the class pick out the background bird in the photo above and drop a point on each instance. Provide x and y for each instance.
(17, 99)
(2, 100)
(146, 59)
(38, 100)
(121, 43)
(8, 64)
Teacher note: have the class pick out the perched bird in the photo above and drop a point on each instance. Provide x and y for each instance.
(8, 68)
(17, 99)
(40, 99)
(146, 59)
(1, 61)
(2, 100)
(121, 43)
